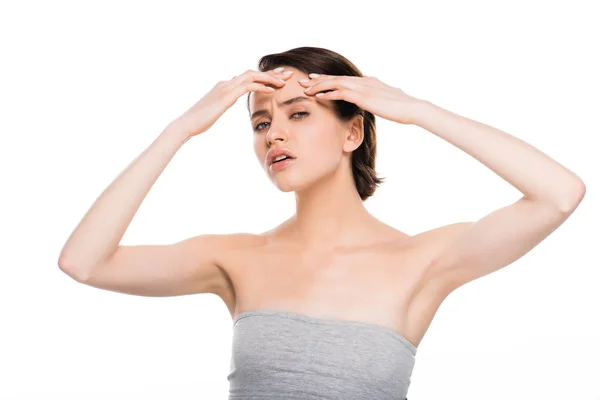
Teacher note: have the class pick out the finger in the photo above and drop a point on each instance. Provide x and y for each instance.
(333, 83)
(264, 78)
(259, 87)
(313, 79)
(281, 72)
(348, 95)
(318, 77)
(320, 84)
(285, 74)
(332, 95)
(277, 70)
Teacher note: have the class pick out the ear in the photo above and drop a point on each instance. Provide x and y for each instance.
(356, 134)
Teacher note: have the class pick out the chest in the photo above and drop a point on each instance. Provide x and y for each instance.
(372, 285)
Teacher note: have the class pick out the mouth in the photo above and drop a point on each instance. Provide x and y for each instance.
(281, 164)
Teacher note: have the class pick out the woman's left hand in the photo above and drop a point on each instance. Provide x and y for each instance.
(367, 92)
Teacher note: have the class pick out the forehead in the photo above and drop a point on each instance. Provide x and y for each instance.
(291, 89)
(259, 103)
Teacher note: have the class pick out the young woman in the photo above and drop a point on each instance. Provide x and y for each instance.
(332, 303)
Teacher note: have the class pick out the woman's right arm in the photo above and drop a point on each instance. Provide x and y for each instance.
(92, 253)
(100, 231)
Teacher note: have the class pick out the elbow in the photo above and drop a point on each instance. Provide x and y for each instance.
(575, 196)
(70, 270)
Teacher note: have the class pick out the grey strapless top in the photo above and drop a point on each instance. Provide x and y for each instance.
(284, 355)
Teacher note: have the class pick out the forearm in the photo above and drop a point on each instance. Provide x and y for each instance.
(99, 233)
(529, 170)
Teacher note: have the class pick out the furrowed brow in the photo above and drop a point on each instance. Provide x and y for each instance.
(291, 101)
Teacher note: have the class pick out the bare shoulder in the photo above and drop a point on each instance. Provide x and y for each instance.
(231, 244)
(442, 235)
(431, 244)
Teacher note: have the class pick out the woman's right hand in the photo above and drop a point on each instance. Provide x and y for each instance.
(224, 94)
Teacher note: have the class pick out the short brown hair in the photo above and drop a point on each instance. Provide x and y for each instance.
(327, 62)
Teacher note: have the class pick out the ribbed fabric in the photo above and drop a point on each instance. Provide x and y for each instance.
(284, 355)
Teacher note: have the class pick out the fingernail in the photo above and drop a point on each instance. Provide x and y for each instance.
(278, 69)
(313, 75)
(288, 72)
(303, 80)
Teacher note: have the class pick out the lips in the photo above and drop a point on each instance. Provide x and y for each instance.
(274, 153)
(279, 165)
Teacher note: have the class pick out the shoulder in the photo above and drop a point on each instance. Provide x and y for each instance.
(433, 241)
(430, 245)
(232, 240)
(441, 235)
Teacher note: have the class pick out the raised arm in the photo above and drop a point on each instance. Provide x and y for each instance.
(93, 255)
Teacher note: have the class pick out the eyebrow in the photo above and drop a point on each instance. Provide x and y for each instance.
(293, 100)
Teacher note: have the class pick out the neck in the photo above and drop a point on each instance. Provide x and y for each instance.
(330, 213)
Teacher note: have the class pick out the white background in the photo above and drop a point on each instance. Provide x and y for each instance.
(87, 86)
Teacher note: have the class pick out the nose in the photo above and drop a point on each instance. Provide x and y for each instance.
(275, 133)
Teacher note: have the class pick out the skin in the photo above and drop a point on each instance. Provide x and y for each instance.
(329, 210)
(332, 259)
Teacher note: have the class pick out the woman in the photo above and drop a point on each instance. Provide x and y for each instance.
(332, 303)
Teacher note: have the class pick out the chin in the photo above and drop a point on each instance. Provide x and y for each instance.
(288, 180)
(287, 184)
(293, 181)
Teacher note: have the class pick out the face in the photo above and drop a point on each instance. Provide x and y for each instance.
(308, 128)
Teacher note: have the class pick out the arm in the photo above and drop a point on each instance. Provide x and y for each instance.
(466, 251)
(551, 193)
(99, 233)
(92, 254)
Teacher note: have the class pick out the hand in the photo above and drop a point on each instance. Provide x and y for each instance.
(368, 93)
(224, 94)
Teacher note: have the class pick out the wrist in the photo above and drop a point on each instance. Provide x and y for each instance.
(420, 109)
(177, 130)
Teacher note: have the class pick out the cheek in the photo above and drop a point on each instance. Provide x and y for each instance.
(259, 150)
(325, 150)
(325, 140)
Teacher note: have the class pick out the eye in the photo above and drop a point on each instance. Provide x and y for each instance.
(303, 114)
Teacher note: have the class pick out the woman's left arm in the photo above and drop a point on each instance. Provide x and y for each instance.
(551, 193)
(533, 173)
(468, 250)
